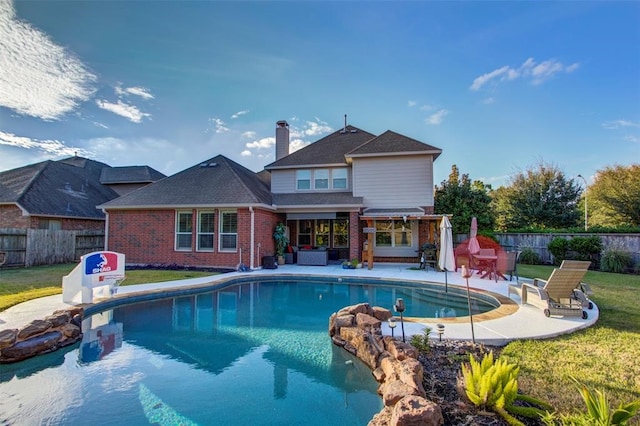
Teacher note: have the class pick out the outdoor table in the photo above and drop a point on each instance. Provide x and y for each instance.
(487, 266)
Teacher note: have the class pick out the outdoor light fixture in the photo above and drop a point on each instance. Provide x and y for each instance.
(392, 325)
(399, 307)
(440, 330)
(585, 202)
(404, 219)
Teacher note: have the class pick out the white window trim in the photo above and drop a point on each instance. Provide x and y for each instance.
(177, 233)
(221, 234)
(212, 233)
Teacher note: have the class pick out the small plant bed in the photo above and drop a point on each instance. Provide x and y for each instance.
(442, 364)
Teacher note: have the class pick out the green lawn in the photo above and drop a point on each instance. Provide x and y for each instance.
(605, 356)
(22, 284)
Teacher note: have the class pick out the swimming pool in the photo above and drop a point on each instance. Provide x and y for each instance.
(246, 353)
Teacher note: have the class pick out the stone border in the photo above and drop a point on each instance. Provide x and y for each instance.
(394, 364)
(60, 329)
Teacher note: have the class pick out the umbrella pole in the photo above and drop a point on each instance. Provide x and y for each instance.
(466, 275)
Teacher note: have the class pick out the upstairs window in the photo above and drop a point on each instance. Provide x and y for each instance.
(339, 178)
(303, 179)
(321, 179)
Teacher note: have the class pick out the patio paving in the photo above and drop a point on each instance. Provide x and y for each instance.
(525, 322)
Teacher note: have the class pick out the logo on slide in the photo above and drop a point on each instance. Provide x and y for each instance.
(101, 262)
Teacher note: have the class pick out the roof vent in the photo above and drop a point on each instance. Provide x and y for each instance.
(354, 131)
(203, 164)
(212, 164)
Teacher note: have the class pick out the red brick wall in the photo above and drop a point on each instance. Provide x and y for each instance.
(355, 231)
(11, 217)
(148, 237)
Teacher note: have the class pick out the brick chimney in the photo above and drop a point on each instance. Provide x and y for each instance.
(282, 139)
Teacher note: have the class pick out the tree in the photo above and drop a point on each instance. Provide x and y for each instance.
(614, 197)
(463, 199)
(540, 197)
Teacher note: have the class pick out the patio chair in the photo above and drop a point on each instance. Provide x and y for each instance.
(559, 295)
(511, 264)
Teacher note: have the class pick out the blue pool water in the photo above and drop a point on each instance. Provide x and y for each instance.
(249, 353)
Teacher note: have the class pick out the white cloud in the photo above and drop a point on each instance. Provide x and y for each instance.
(249, 134)
(246, 153)
(632, 138)
(219, 125)
(38, 77)
(130, 112)
(311, 128)
(537, 73)
(264, 143)
(437, 117)
(411, 104)
(617, 124)
(485, 78)
(239, 113)
(138, 91)
(297, 144)
(49, 146)
(488, 101)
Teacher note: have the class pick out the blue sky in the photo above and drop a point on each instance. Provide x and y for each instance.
(498, 86)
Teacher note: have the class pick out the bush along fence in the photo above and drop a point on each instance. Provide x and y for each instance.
(607, 252)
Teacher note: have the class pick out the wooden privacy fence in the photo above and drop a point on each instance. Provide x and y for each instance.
(32, 247)
(539, 243)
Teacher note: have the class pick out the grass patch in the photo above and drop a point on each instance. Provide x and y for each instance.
(22, 284)
(604, 356)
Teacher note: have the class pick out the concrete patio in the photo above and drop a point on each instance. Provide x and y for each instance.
(520, 322)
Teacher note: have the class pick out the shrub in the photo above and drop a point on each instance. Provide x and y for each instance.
(494, 385)
(558, 247)
(616, 260)
(421, 342)
(587, 248)
(529, 257)
(598, 411)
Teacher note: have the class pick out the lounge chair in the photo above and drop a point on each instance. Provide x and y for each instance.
(559, 295)
(582, 265)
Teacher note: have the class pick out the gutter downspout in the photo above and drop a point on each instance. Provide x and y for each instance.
(106, 229)
(251, 244)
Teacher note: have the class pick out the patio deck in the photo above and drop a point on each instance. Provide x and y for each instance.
(518, 322)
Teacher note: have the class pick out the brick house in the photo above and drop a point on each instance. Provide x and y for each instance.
(44, 206)
(332, 195)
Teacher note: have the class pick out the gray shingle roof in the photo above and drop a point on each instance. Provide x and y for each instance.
(329, 150)
(67, 188)
(390, 143)
(216, 182)
(130, 174)
(315, 199)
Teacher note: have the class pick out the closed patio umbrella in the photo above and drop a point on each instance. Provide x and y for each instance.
(446, 261)
(474, 246)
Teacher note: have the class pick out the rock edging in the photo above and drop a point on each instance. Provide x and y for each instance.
(394, 364)
(60, 329)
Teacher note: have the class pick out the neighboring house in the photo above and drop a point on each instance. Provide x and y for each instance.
(56, 196)
(218, 213)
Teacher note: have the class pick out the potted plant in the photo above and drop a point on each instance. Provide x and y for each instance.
(280, 237)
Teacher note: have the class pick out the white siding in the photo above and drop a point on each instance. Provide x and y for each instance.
(283, 181)
(394, 182)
